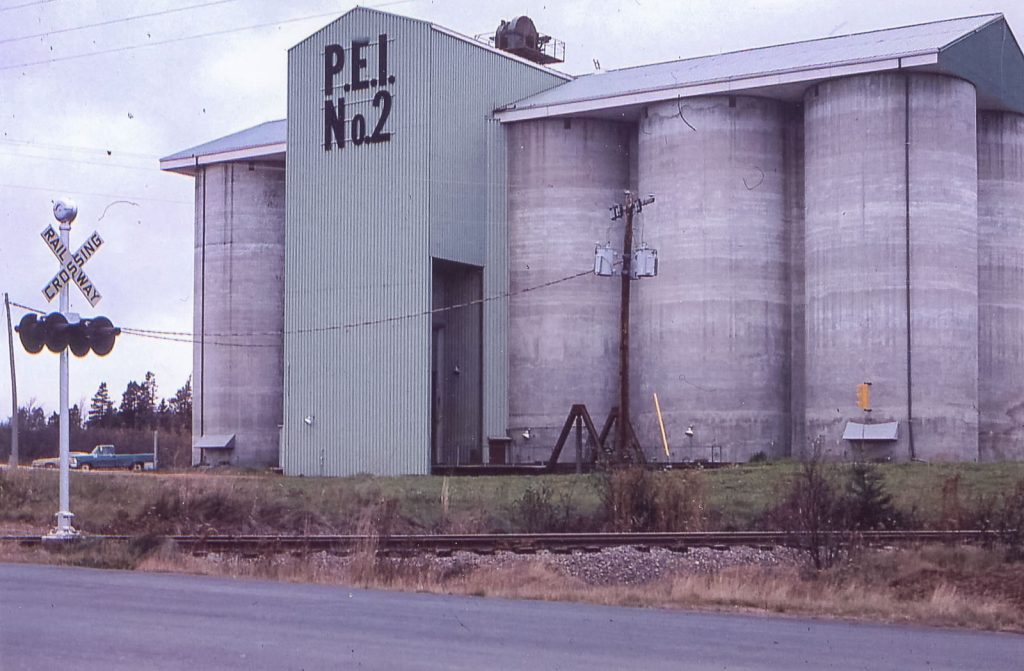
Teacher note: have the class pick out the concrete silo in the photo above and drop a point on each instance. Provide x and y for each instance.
(891, 270)
(239, 296)
(563, 341)
(1000, 285)
(710, 334)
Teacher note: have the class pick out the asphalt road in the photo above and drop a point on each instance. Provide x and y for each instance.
(83, 619)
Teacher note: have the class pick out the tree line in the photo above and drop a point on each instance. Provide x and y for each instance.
(139, 407)
(128, 424)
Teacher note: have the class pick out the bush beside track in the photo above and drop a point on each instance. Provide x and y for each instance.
(923, 496)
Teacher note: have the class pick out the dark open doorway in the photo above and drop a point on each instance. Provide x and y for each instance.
(456, 365)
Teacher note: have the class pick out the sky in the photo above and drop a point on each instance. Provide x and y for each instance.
(93, 93)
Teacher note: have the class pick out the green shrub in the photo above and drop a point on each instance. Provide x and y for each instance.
(866, 503)
(1011, 523)
(812, 511)
(635, 499)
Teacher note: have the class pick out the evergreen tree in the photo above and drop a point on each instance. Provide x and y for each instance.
(868, 504)
(164, 415)
(132, 406)
(74, 418)
(138, 403)
(149, 390)
(181, 405)
(101, 408)
(31, 418)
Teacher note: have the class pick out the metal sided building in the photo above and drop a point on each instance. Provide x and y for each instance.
(398, 275)
(396, 202)
(396, 198)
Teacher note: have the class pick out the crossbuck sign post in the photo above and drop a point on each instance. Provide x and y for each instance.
(70, 272)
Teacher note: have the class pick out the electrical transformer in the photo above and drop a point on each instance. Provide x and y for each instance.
(645, 262)
(604, 260)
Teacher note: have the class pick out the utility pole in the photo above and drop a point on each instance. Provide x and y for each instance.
(13, 462)
(627, 257)
(632, 205)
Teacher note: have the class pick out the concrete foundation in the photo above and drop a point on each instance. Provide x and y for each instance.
(563, 340)
(239, 312)
(1001, 285)
(711, 332)
(891, 278)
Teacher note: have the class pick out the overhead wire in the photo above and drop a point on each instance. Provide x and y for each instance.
(131, 47)
(183, 38)
(65, 159)
(65, 148)
(190, 337)
(110, 22)
(181, 336)
(108, 151)
(51, 190)
(26, 4)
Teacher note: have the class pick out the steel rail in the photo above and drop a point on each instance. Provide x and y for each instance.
(523, 543)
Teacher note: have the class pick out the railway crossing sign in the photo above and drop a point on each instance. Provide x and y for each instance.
(71, 271)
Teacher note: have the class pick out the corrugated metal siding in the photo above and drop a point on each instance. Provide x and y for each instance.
(357, 251)
(467, 84)
(361, 226)
(468, 188)
(495, 315)
(463, 355)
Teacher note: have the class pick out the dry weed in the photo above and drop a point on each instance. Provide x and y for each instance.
(746, 588)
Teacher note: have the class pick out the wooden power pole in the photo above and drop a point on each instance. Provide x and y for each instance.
(13, 462)
(626, 210)
(627, 257)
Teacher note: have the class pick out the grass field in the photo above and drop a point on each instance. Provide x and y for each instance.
(948, 586)
(931, 495)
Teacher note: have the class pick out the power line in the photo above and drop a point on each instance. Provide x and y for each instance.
(51, 190)
(110, 22)
(64, 159)
(189, 337)
(26, 4)
(180, 39)
(192, 340)
(193, 37)
(64, 148)
(171, 336)
(162, 42)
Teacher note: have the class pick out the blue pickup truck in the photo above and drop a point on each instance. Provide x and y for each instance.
(106, 456)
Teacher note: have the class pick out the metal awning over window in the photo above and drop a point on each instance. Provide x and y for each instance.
(871, 432)
(215, 442)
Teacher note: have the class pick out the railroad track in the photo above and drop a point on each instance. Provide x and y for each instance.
(411, 544)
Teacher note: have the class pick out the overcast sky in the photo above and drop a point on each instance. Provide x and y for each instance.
(87, 109)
